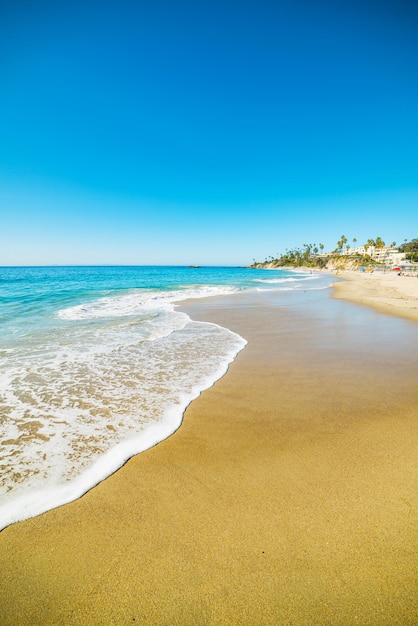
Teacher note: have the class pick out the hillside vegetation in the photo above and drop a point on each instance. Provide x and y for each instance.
(311, 255)
(411, 250)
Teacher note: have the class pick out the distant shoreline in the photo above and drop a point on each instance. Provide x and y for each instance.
(386, 291)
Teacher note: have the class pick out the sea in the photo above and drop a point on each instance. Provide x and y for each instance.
(97, 364)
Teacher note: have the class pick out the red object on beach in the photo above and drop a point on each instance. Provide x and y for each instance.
(396, 269)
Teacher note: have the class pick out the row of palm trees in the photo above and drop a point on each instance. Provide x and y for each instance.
(377, 243)
(308, 254)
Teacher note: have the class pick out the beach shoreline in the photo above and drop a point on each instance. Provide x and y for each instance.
(287, 495)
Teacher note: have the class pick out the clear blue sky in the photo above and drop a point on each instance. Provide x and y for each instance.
(209, 132)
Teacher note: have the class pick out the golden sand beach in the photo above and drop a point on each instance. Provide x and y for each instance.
(288, 495)
(388, 292)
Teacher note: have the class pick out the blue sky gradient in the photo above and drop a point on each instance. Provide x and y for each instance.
(204, 133)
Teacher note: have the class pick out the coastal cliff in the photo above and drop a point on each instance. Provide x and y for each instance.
(330, 263)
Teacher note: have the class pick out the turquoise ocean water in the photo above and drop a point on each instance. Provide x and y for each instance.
(96, 365)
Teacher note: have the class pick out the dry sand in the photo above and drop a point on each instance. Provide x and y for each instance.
(288, 496)
(388, 292)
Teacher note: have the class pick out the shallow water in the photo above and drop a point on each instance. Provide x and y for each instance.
(96, 364)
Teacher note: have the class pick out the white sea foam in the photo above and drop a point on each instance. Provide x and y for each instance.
(273, 281)
(138, 303)
(36, 502)
(89, 396)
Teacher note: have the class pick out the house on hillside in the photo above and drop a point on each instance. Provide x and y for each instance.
(387, 255)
